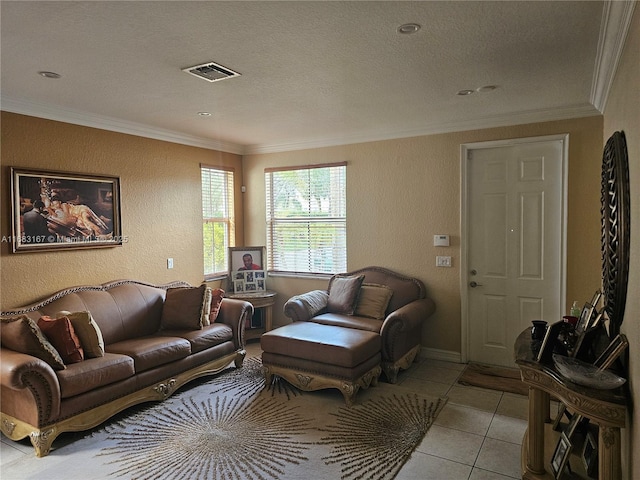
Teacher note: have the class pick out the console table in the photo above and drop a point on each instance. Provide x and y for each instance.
(606, 408)
(263, 300)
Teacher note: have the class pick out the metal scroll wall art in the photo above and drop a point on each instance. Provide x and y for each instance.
(616, 231)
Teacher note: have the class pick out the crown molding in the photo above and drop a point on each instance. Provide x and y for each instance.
(51, 112)
(616, 19)
(481, 123)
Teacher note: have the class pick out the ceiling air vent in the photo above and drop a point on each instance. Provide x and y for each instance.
(211, 72)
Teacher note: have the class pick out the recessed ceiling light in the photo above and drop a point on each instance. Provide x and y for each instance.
(204, 114)
(465, 92)
(49, 74)
(408, 28)
(487, 88)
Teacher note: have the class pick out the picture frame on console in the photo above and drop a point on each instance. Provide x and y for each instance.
(590, 454)
(560, 458)
(247, 273)
(53, 210)
(549, 342)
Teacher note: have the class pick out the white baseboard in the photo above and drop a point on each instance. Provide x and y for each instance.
(443, 355)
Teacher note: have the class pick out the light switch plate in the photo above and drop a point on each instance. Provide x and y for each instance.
(169, 263)
(443, 261)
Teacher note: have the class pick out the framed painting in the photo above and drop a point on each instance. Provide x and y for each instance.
(247, 274)
(62, 210)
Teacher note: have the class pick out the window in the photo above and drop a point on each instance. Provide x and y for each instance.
(306, 219)
(217, 219)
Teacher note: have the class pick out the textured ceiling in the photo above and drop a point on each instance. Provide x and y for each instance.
(313, 73)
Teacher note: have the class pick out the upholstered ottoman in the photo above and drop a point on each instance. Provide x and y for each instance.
(312, 356)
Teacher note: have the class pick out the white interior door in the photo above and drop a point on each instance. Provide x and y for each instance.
(513, 270)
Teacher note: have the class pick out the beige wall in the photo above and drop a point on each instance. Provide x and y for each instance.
(623, 113)
(402, 192)
(161, 206)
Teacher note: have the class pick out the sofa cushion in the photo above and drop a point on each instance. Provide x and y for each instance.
(23, 335)
(206, 307)
(208, 337)
(153, 351)
(217, 294)
(62, 336)
(94, 373)
(349, 321)
(183, 308)
(343, 293)
(373, 301)
(88, 332)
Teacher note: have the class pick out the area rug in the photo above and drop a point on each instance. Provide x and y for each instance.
(231, 427)
(494, 378)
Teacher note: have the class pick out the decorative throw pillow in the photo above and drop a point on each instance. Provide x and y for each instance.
(216, 300)
(206, 307)
(182, 309)
(88, 332)
(343, 294)
(373, 301)
(23, 335)
(62, 336)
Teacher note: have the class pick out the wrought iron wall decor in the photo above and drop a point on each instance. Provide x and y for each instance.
(616, 231)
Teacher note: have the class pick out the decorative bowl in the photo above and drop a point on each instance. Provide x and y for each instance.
(585, 374)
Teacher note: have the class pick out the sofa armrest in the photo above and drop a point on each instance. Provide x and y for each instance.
(234, 313)
(25, 377)
(407, 320)
(302, 308)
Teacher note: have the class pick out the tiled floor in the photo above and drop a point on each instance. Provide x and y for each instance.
(477, 435)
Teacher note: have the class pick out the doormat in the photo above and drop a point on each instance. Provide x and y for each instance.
(494, 378)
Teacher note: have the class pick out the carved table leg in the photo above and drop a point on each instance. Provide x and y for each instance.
(609, 453)
(537, 414)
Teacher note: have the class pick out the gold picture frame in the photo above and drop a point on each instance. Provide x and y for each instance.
(63, 210)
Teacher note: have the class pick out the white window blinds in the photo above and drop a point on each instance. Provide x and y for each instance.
(306, 219)
(217, 219)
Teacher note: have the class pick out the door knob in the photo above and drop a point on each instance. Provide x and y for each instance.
(474, 284)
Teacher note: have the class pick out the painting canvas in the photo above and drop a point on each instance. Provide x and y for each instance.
(57, 210)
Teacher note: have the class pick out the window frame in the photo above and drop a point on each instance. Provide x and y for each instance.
(274, 257)
(228, 221)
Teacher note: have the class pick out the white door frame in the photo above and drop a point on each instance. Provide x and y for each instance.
(464, 247)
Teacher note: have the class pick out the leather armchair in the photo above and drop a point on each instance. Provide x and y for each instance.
(400, 327)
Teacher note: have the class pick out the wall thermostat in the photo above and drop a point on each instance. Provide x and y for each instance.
(441, 240)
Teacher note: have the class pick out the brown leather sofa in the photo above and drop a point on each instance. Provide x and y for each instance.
(399, 322)
(141, 361)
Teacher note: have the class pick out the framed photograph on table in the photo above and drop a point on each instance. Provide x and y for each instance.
(585, 318)
(560, 459)
(612, 352)
(247, 273)
(549, 342)
(63, 210)
(590, 454)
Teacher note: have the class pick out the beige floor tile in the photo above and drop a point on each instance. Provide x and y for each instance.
(466, 419)
(433, 373)
(458, 367)
(479, 474)
(479, 398)
(500, 457)
(451, 444)
(427, 467)
(513, 405)
(424, 386)
(508, 429)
